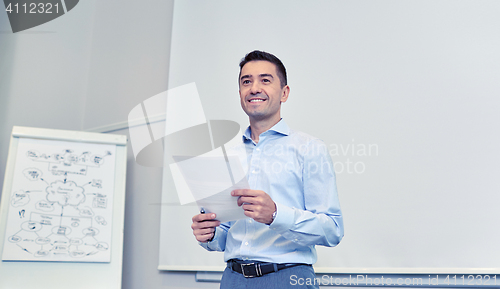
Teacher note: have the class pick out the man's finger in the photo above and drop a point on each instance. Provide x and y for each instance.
(206, 231)
(204, 238)
(249, 208)
(203, 217)
(205, 224)
(248, 200)
(244, 192)
(249, 214)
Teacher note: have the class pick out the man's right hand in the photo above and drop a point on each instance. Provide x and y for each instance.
(204, 227)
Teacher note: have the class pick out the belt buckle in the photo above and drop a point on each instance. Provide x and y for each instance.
(258, 271)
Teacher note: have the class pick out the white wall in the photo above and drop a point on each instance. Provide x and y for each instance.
(88, 69)
(43, 74)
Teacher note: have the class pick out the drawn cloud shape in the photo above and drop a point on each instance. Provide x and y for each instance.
(19, 199)
(32, 174)
(65, 193)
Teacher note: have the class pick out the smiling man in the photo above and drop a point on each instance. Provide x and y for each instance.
(292, 204)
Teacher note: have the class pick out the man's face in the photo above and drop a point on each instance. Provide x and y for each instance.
(261, 94)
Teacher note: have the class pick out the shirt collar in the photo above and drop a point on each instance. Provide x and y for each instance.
(281, 127)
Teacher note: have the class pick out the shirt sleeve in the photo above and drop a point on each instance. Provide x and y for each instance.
(320, 223)
(218, 243)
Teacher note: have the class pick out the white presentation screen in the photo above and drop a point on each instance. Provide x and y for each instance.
(406, 96)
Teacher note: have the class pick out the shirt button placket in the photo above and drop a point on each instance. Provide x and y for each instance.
(252, 180)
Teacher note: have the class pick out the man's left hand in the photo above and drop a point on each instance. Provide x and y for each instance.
(258, 205)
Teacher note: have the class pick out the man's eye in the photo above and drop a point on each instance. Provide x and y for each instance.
(265, 80)
(246, 81)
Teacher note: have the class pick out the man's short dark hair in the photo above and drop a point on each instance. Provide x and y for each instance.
(257, 55)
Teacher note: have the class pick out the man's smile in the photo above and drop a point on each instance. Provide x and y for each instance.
(256, 99)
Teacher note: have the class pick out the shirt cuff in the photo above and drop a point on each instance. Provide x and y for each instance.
(284, 221)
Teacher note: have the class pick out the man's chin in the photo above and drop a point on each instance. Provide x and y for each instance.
(260, 115)
(257, 115)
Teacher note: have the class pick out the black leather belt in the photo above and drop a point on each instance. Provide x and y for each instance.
(257, 269)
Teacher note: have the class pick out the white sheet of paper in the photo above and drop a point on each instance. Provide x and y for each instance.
(211, 179)
(61, 204)
(224, 205)
(205, 175)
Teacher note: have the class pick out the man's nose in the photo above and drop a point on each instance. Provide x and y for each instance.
(255, 89)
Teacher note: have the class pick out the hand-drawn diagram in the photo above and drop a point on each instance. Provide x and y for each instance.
(60, 207)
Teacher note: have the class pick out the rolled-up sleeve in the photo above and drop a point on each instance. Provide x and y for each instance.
(320, 222)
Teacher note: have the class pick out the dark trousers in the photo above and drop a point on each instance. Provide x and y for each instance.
(297, 277)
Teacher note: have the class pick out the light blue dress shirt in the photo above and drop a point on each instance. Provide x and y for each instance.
(297, 173)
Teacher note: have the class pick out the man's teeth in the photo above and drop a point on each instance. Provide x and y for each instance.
(255, 100)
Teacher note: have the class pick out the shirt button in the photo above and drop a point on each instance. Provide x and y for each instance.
(254, 172)
(296, 240)
(258, 149)
(246, 243)
(250, 221)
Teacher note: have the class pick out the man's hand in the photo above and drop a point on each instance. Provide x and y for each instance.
(204, 227)
(257, 205)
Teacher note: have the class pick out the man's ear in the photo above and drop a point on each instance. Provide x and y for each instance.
(284, 94)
